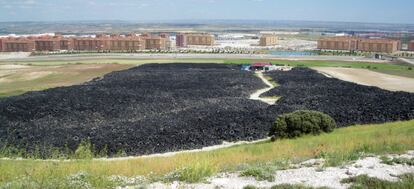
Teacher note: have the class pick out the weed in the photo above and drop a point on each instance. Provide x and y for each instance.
(364, 182)
(289, 186)
(84, 151)
(191, 174)
(392, 161)
(259, 172)
(250, 187)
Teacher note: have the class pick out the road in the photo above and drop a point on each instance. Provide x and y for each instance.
(184, 56)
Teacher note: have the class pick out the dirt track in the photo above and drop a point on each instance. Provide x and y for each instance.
(370, 78)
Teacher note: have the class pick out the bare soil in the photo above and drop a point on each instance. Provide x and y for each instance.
(370, 78)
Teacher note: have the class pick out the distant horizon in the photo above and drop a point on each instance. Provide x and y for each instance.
(351, 11)
(197, 21)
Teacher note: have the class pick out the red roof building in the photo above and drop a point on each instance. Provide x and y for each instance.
(260, 65)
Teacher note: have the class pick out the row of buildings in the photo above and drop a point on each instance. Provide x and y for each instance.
(348, 43)
(101, 42)
(97, 43)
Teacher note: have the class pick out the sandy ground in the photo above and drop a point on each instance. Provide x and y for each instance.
(370, 78)
(308, 173)
(256, 95)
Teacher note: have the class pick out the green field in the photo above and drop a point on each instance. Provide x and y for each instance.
(342, 145)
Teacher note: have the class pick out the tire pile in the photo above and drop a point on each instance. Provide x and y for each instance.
(148, 109)
(347, 103)
(159, 108)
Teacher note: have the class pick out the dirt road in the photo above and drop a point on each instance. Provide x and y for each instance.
(370, 78)
(256, 95)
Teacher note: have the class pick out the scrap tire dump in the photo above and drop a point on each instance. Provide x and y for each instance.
(159, 108)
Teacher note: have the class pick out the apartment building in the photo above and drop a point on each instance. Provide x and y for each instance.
(411, 45)
(202, 39)
(267, 40)
(359, 44)
(379, 45)
(17, 44)
(155, 43)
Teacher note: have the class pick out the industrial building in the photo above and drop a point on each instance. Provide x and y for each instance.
(100, 42)
(268, 40)
(202, 39)
(359, 44)
(411, 45)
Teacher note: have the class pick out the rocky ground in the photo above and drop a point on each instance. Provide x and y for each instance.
(310, 173)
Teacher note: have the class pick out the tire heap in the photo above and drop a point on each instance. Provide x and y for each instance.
(158, 108)
(148, 109)
(347, 103)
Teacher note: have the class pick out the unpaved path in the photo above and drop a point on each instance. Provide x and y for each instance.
(256, 95)
(309, 173)
(370, 78)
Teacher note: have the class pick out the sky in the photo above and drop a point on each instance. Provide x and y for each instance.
(373, 11)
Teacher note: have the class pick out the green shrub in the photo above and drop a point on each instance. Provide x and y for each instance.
(301, 122)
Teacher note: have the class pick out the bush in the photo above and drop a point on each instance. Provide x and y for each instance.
(301, 122)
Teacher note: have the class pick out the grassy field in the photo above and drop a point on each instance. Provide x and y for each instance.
(342, 145)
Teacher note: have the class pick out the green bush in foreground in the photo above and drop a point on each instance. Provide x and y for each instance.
(301, 122)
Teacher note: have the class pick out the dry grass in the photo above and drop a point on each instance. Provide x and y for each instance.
(35, 78)
(342, 145)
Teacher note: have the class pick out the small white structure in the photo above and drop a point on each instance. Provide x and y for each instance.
(277, 68)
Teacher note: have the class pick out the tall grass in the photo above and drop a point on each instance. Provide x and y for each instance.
(342, 145)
